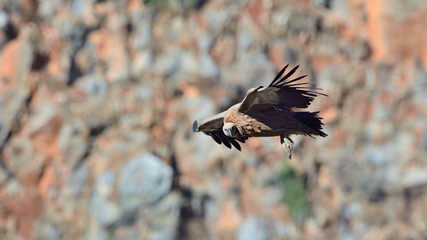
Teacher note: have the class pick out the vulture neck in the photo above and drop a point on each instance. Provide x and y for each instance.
(234, 116)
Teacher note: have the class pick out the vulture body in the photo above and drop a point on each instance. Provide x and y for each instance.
(267, 112)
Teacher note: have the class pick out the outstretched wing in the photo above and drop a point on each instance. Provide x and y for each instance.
(281, 94)
(213, 127)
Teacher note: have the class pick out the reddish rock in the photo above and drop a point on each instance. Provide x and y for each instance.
(329, 115)
(375, 27)
(229, 218)
(257, 9)
(7, 68)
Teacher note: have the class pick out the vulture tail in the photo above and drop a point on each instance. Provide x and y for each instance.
(311, 120)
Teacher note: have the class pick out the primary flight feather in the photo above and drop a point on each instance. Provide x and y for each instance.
(266, 112)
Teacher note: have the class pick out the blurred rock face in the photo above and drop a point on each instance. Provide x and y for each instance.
(97, 99)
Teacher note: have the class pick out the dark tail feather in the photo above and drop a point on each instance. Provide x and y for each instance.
(311, 120)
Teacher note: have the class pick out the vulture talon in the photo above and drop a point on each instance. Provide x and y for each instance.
(287, 144)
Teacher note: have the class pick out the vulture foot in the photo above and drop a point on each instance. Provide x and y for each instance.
(287, 144)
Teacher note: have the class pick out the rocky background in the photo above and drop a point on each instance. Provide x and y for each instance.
(97, 99)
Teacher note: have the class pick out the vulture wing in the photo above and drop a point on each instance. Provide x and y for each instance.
(281, 94)
(213, 127)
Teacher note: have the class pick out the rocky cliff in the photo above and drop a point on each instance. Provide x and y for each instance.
(97, 99)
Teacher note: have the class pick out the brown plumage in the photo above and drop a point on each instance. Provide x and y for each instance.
(267, 112)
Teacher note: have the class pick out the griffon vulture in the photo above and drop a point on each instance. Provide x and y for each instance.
(267, 112)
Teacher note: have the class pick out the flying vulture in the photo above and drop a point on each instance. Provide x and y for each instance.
(270, 111)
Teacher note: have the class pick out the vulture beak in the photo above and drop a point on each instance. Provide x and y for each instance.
(229, 132)
(195, 126)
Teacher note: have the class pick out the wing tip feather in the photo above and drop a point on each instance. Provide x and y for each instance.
(279, 75)
(282, 83)
(235, 144)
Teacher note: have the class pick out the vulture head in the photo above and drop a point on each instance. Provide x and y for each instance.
(230, 129)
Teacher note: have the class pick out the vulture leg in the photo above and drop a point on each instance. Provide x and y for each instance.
(287, 144)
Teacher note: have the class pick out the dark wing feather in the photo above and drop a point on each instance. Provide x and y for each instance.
(213, 127)
(285, 77)
(278, 75)
(225, 140)
(235, 144)
(214, 136)
(281, 94)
